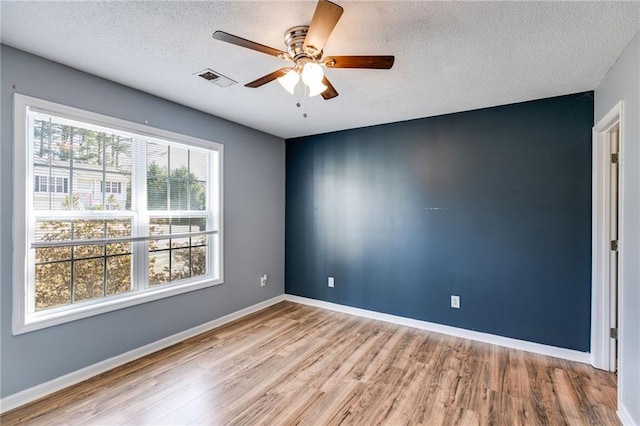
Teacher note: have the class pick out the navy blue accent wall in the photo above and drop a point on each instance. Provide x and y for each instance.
(493, 205)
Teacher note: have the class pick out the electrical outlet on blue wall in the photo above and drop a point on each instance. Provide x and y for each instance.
(455, 301)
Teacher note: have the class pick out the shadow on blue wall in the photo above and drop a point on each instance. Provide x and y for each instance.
(493, 205)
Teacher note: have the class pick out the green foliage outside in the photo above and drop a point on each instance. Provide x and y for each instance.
(180, 189)
(94, 270)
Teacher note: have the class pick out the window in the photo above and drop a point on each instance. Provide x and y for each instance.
(109, 214)
(58, 184)
(111, 187)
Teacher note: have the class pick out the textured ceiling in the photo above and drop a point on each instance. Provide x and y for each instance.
(450, 56)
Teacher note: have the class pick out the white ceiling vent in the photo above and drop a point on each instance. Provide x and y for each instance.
(215, 77)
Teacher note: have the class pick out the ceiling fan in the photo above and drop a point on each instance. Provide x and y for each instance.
(304, 48)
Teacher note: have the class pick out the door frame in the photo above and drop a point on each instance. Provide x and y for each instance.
(601, 191)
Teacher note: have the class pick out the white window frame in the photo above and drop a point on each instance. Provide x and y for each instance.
(23, 187)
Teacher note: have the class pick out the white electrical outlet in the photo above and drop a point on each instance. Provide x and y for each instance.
(455, 301)
(263, 280)
(330, 282)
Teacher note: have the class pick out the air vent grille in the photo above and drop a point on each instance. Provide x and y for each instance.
(208, 75)
(215, 77)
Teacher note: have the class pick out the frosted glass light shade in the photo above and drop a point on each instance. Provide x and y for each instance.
(312, 73)
(289, 81)
(316, 88)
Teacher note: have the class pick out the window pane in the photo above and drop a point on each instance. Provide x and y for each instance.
(158, 154)
(84, 196)
(118, 229)
(80, 252)
(178, 193)
(53, 285)
(157, 193)
(180, 261)
(87, 147)
(51, 188)
(198, 224)
(50, 141)
(118, 274)
(180, 242)
(179, 161)
(86, 230)
(88, 279)
(41, 139)
(159, 226)
(198, 261)
(50, 254)
(117, 153)
(52, 230)
(157, 185)
(197, 195)
(198, 165)
(159, 268)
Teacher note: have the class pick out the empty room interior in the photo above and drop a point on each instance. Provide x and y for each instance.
(315, 212)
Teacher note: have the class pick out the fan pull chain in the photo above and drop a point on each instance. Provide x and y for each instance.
(299, 88)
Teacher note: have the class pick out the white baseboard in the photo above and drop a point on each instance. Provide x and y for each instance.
(39, 391)
(625, 417)
(523, 345)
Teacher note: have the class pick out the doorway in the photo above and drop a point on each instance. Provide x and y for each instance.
(607, 247)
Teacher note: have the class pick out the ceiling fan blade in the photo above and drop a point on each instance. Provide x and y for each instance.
(322, 24)
(330, 92)
(268, 78)
(373, 62)
(239, 41)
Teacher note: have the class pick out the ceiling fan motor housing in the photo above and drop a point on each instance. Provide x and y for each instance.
(294, 40)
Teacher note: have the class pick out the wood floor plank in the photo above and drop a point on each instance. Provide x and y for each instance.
(292, 364)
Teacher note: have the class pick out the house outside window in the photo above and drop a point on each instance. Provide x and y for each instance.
(51, 184)
(116, 214)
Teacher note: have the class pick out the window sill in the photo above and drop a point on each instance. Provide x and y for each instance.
(49, 318)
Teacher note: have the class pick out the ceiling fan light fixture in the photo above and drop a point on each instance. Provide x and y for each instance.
(305, 44)
(289, 81)
(316, 88)
(312, 74)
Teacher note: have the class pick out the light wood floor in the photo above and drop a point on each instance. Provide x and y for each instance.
(294, 364)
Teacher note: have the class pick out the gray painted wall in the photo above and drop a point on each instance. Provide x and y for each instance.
(622, 82)
(254, 179)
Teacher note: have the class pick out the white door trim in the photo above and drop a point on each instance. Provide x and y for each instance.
(601, 180)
